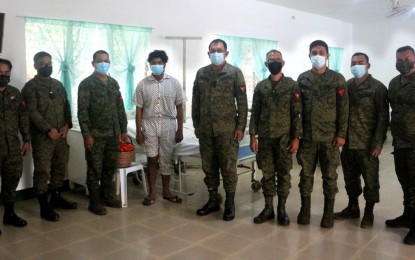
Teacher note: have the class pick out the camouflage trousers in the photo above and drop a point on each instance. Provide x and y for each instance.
(102, 165)
(405, 170)
(219, 154)
(275, 161)
(50, 159)
(309, 154)
(356, 163)
(11, 167)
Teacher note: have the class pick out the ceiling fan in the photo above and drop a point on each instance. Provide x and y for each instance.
(396, 9)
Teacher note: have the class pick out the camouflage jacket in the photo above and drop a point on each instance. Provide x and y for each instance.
(368, 114)
(276, 109)
(48, 105)
(325, 105)
(101, 111)
(402, 101)
(213, 103)
(13, 118)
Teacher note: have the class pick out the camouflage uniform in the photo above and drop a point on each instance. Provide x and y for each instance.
(101, 115)
(49, 108)
(325, 115)
(276, 119)
(13, 118)
(402, 101)
(217, 116)
(368, 123)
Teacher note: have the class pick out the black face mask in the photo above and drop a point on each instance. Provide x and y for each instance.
(404, 67)
(4, 80)
(275, 67)
(45, 71)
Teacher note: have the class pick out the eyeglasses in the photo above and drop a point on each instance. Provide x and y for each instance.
(274, 60)
(41, 64)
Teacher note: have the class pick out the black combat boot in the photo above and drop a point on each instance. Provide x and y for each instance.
(213, 204)
(56, 201)
(46, 211)
(304, 215)
(267, 213)
(368, 217)
(282, 216)
(410, 237)
(95, 202)
(327, 221)
(402, 221)
(108, 197)
(10, 217)
(229, 212)
(351, 211)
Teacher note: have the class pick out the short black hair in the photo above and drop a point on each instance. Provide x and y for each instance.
(217, 41)
(158, 54)
(319, 43)
(273, 50)
(405, 48)
(40, 55)
(363, 54)
(99, 52)
(7, 62)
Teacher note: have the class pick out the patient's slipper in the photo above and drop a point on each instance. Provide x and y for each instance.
(148, 201)
(175, 199)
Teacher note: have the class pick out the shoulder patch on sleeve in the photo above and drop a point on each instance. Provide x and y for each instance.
(340, 92)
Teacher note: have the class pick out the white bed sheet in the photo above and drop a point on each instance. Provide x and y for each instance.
(188, 147)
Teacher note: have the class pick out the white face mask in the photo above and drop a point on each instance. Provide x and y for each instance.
(358, 70)
(318, 61)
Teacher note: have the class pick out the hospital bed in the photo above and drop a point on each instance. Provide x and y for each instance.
(186, 153)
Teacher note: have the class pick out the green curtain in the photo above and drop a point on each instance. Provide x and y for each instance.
(65, 41)
(128, 46)
(336, 58)
(242, 48)
(260, 49)
(72, 43)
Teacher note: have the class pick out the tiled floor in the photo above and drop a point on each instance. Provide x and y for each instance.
(172, 231)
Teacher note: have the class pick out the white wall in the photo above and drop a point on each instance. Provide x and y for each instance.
(294, 30)
(380, 41)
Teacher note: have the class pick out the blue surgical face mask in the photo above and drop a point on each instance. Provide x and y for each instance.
(157, 69)
(318, 61)
(102, 67)
(217, 58)
(358, 70)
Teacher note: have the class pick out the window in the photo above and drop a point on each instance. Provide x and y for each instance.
(72, 44)
(249, 55)
(336, 58)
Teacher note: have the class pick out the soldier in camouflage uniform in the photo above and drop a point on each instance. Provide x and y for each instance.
(219, 124)
(102, 120)
(366, 133)
(276, 119)
(402, 101)
(325, 115)
(13, 119)
(50, 118)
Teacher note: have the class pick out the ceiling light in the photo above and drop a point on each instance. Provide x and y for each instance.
(395, 9)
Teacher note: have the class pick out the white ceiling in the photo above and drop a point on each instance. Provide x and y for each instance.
(352, 11)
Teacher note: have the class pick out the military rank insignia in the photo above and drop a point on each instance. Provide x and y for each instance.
(297, 96)
(340, 92)
(242, 88)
